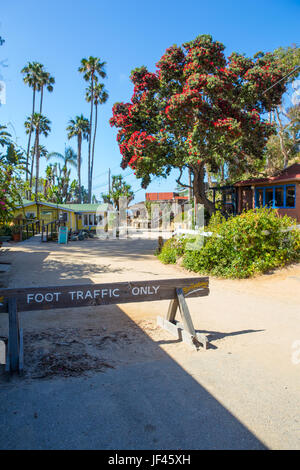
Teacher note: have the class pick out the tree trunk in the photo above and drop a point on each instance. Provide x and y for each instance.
(32, 164)
(37, 169)
(281, 137)
(41, 103)
(29, 138)
(199, 189)
(222, 175)
(208, 176)
(90, 140)
(93, 149)
(190, 185)
(79, 140)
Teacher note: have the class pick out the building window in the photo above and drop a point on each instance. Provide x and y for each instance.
(269, 197)
(290, 196)
(259, 198)
(90, 220)
(276, 197)
(279, 197)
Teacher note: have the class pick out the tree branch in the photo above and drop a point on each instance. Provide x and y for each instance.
(180, 183)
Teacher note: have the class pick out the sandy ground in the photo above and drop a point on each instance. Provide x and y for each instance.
(108, 377)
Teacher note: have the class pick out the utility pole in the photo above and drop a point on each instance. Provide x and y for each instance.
(108, 180)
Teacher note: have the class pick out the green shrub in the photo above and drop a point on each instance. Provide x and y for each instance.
(5, 230)
(173, 249)
(256, 241)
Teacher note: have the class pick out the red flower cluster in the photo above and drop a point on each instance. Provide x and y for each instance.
(135, 147)
(171, 64)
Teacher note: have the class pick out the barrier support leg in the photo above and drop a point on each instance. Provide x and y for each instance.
(14, 356)
(183, 330)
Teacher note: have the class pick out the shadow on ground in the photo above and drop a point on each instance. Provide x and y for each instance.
(95, 380)
(116, 248)
(217, 335)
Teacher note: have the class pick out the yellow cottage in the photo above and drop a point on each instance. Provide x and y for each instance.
(75, 216)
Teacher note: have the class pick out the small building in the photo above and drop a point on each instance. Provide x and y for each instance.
(138, 217)
(75, 216)
(280, 192)
(166, 197)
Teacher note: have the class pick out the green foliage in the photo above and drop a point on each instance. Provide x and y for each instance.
(216, 220)
(254, 242)
(173, 249)
(290, 58)
(119, 188)
(11, 182)
(5, 230)
(283, 149)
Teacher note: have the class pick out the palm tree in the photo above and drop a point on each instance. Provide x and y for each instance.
(100, 97)
(45, 81)
(4, 136)
(31, 77)
(43, 152)
(69, 157)
(37, 78)
(91, 69)
(79, 127)
(41, 125)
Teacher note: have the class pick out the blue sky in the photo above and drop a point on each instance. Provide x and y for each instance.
(125, 34)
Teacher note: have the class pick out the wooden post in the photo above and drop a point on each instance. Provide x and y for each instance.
(160, 243)
(13, 337)
(173, 305)
(185, 313)
(184, 331)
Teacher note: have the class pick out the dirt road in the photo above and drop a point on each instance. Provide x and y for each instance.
(109, 378)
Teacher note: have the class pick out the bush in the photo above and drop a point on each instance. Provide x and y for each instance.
(5, 230)
(254, 242)
(173, 249)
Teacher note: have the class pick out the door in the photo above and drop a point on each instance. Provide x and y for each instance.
(247, 199)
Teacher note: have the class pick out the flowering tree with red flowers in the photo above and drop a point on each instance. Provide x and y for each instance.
(199, 109)
(11, 170)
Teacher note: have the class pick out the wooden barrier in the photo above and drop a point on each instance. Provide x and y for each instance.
(45, 298)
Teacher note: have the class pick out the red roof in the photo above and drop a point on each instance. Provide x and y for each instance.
(292, 173)
(160, 196)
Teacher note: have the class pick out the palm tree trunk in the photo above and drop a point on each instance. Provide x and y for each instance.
(79, 140)
(42, 95)
(30, 132)
(93, 149)
(90, 138)
(32, 164)
(37, 169)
